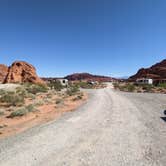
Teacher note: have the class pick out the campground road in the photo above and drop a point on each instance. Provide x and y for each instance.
(112, 129)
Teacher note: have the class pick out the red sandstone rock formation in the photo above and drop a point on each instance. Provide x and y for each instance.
(20, 72)
(157, 71)
(3, 72)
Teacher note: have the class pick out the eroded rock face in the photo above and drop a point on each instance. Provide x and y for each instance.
(157, 71)
(20, 72)
(3, 72)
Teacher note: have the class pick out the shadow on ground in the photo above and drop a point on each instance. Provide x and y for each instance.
(164, 118)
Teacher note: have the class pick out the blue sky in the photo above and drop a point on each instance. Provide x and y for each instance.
(107, 37)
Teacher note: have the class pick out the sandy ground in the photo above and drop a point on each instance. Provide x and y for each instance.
(111, 129)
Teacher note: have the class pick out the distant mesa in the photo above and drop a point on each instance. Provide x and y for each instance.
(88, 77)
(157, 71)
(19, 72)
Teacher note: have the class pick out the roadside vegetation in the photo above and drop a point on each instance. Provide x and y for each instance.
(36, 103)
(89, 85)
(140, 88)
(28, 98)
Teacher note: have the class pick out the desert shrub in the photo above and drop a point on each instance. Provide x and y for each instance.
(31, 96)
(49, 95)
(117, 85)
(125, 87)
(162, 85)
(30, 108)
(56, 85)
(1, 113)
(36, 88)
(12, 99)
(22, 111)
(2, 92)
(39, 103)
(84, 85)
(21, 91)
(79, 97)
(59, 101)
(19, 112)
(72, 90)
(130, 87)
(147, 88)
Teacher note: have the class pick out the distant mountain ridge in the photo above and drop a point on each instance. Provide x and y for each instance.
(88, 77)
(157, 71)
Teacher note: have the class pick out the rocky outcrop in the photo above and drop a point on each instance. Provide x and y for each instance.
(3, 72)
(20, 72)
(88, 77)
(157, 71)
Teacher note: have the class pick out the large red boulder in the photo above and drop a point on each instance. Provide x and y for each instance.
(20, 72)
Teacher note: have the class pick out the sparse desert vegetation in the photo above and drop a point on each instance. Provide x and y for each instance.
(89, 84)
(28, 102)
(140, 88)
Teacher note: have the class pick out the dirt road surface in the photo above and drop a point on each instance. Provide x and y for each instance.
(111, 129)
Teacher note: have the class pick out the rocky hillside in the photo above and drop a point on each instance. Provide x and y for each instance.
(157, 71)
(88, 77)
(3, 72)
(19, 72)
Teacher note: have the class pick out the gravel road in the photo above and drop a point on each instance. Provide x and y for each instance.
(111, 129)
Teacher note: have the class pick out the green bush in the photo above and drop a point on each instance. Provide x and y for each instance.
(30, 108)
(162, 85)
(21, 91)
(39, 103)
(72, 90)
(56, 85)
(1, 113)
(36, 88)
(19, 112)
(12, 99)
(147, 88)
(116, 85)
(2, 92)
(22, 111)
(130, 87)
(125, 87)
(84, 85)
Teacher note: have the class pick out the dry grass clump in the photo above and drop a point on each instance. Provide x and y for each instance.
(22, 111)
(12, 99)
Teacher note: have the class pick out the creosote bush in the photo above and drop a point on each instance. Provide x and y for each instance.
(56, 85)
(36, 88)
(22, 111)
(19, 112)
(12, 99)
(72, 90)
